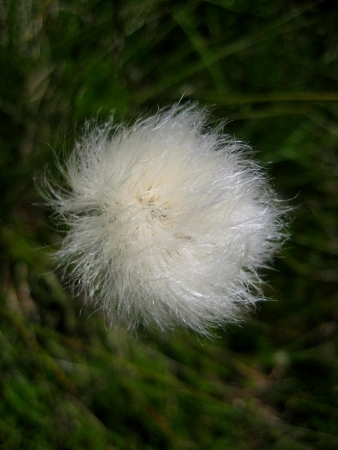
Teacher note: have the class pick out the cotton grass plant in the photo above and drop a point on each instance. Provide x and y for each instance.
(169, 221)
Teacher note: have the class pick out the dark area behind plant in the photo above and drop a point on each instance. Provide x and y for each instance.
(69, 382)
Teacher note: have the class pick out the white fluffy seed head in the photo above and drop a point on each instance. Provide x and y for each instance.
(168, 221)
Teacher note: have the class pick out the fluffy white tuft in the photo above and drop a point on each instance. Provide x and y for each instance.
(168, 221)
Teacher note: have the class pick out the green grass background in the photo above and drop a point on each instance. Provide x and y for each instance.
(67, 381)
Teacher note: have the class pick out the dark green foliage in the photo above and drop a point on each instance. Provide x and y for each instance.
(67, 381)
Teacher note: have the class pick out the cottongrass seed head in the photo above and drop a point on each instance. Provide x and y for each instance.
(168, 221)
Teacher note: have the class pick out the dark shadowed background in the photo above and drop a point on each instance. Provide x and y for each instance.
(67, 381)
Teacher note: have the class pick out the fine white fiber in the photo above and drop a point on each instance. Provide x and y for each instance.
(169, 221)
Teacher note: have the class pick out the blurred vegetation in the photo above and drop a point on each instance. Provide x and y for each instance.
(67, 381)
